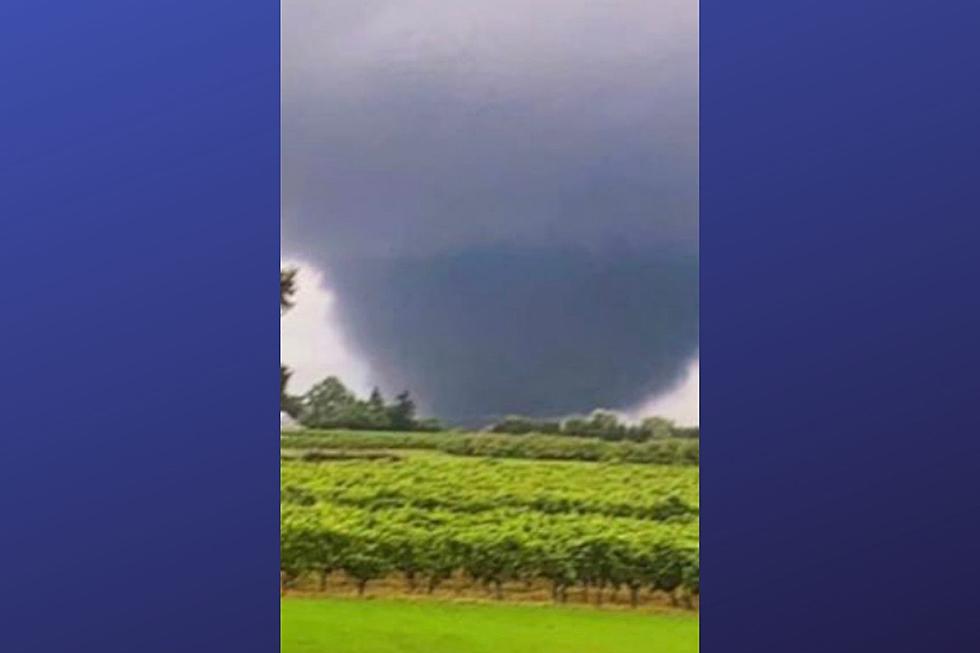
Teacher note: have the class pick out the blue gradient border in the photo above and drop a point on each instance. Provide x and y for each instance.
(140, 237)
(839, 197)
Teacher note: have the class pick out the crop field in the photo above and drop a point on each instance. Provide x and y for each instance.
(668, 451)
(389, 626)
(473, 486)
(393, 519)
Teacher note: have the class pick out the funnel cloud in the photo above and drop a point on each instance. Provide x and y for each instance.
(501, 196)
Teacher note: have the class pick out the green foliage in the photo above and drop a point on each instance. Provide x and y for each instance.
(518, 425)
(601, 424)
(672, 451)
(687, 432)
(329, 404)
(401, 414)
(376, 401)
(369, 560)
(428, 425)
(496, 522)
(658, 427)
(652, 492)
(285, 400)
(291, 405)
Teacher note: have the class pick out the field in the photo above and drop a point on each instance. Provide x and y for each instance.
(404, 542)
(386, 626)
(668, 451)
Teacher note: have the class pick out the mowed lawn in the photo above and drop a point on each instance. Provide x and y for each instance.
(389, 626)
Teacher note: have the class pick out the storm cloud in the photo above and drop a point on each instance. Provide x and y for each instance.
(502, 196)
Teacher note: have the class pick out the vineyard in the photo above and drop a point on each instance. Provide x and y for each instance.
(503, 516)
(670, 451)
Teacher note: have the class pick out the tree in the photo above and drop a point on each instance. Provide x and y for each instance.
(658, 427)
(520, 425)
(328, 403)
(605, 425)
(576, 425)
(693, 432)
(375, 412)
(292, 406)
(376, 400)
(287, 288)
(401, 414)
(284, 374)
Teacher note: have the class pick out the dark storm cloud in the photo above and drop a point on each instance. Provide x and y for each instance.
(503, 195)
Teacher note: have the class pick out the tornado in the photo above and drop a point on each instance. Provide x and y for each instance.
(501, 196)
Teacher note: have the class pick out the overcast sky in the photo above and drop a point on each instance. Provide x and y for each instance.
(494, 202)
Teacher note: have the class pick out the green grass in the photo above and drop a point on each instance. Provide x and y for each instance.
(388, 626)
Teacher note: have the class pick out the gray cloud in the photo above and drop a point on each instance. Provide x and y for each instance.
(503, 195)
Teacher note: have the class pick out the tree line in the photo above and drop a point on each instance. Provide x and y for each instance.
(601, 424)
(669, 451)
(331, 405)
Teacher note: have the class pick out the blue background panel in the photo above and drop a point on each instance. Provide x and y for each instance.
(839, 317)
(139, 227)
(140, 236)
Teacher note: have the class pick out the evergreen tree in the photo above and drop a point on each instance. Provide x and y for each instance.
(402, 413)
(287, 288)
(284, 374)
(376, 401)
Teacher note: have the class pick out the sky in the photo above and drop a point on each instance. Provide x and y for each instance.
(494, 203)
